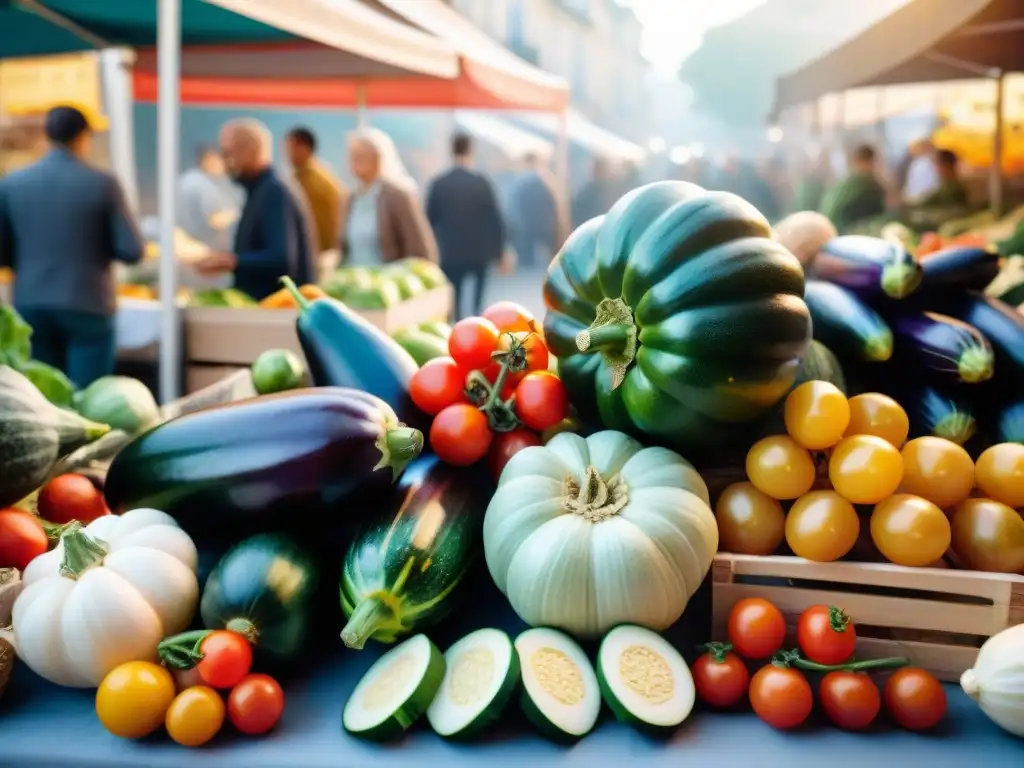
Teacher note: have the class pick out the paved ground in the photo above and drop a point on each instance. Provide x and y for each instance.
(523, 286)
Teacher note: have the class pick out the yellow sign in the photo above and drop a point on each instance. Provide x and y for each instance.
(33, 86)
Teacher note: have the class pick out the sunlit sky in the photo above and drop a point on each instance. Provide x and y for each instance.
(673, 29)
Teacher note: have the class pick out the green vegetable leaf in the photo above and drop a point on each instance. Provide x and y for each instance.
(55, 386)
(15, 335)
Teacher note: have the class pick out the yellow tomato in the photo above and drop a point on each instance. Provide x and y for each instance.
(1000, 473)
(195, 716)
(749, 522)
(822, 526)
(779, 467)
(876, 414)
(938, 470)
(865, 469)
(989, 536)
(909, 530)
(133, 698)
(816, 414)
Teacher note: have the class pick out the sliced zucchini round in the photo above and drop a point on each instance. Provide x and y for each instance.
(395, 691)
(560, 695)
(481, 674)
(644, 680)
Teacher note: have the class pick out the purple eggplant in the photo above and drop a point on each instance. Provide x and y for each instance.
(869, 266)
(948, 346)
(959, 267)
(1003, 326)
(1010, 423)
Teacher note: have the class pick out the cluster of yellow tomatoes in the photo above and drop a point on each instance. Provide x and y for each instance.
(922, 498)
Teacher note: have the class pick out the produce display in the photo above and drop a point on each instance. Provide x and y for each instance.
(862, 399)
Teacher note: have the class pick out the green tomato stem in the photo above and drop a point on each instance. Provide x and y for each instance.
(81, 551)
(837, 619)
(793, 658)
(717, 651)
(183, 651)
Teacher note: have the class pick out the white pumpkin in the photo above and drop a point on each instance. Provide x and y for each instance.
(585, 534)
(106, 594)
(996, 681)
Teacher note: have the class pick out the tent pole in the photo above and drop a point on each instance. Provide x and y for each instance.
(168, 124)
(995, 179)
(563, 174)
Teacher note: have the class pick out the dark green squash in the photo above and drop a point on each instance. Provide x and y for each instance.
(676, 316)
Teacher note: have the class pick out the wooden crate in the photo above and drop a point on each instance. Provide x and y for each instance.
(936, 617)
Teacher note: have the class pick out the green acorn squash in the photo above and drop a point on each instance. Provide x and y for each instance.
(676, 315)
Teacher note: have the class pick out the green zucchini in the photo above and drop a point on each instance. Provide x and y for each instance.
(481, 674)
(382, 295)
(278, 370)
(409, 285)
(34, 435)
(561, 696)
(422, 346)
(120, 401)
(427, 271)
(395, 691)
(400, 573)
(644, 680)
(845, 324)
(263, 588)
(438, 328)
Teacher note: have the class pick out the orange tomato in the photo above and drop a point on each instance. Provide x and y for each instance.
(816, 414)
(989, 536)
(780, 467)
(822, 526)
(909, 530)
(781, 697)
(938, 470)
(1000, 473)
(510, 316)
(876, 414)
(865, 469)
(749, 522)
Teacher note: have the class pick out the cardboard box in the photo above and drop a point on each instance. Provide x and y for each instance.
(236, 337)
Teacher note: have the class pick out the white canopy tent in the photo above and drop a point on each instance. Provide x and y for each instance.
(513, 142)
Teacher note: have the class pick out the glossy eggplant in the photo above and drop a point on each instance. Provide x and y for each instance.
(343, 349)
(1003, 326)
(952, 348)
(846, 325)
(873, 268)
(938, 412)
(401, 573)
(959, 267)
(1009, 423)
(277, 462)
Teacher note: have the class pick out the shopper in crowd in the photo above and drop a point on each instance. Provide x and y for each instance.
(463, 210)
(537, 220)
(597, 195)
(382, 219)
(922, 174)
(272, 237)
(208, 204)
(951, 191)
(324, 191)
(858, 197)
(62, 225)
(812, 182)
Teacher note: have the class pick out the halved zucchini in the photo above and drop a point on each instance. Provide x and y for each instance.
(395, 691)
(481, 674)
(644, 679)
(560, 691)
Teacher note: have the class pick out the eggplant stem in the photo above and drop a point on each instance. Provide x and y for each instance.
(398, 446)
(302, 302)
(976, 365)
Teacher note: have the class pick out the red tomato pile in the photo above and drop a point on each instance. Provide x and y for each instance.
(780, 693)
(494, 394)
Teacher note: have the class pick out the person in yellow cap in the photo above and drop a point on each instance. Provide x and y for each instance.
(62, 225)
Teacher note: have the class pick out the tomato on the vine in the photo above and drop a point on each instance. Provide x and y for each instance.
(460, 435)
(541, 400)
(506, 445)
(255, 704)
(915, 699)
(781, 696)
(438, 384)
(227, 658)
(510, 316)
(472, 341)
(757, 628)
(534, 350)
(720, 676)
(850, 699)
(826, 635)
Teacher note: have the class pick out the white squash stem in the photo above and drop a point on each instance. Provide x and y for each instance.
(81, 552)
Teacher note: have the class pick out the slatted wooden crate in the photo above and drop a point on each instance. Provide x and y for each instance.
(936, 617)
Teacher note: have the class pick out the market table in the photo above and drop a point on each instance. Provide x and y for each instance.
(44, 725)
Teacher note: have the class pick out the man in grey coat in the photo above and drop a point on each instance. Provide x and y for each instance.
(62, 225)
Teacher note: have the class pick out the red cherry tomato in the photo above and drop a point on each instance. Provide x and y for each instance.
(757, 628)
(506, 445)
(71, 497)
(255, 704)
(537, 356)
(22, 539)
(915, 699)
(472, 341)
(850, 699)
(541, 400)
(460, 435)
(438, 384)
(721, 677)
(826, 634)
(227, 658)
(781, 696)
(509, 316)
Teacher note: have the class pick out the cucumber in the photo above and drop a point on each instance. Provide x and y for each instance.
(409, 285)
(644, 680)
(395, 691)
(278, 370)
(481, 674)
(845, 324)
(561, 696)
(422, 346)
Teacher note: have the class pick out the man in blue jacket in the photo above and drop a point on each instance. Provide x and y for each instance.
(62, 225)
(273, 234)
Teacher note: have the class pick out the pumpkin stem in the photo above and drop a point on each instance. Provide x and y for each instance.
(245, 628)
(370, 614)
(81, 552)
(398, 446)
(595, 499)
(613, 333)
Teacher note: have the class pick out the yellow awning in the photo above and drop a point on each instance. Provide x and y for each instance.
(34, 86)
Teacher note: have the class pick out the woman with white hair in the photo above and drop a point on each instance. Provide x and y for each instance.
(382, 220)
